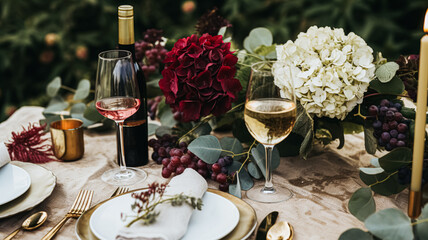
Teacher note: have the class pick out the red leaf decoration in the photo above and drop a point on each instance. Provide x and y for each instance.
(29, 146)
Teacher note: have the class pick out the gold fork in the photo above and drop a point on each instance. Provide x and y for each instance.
(80, 205)
(120, 190)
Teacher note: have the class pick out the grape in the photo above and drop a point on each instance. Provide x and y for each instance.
(214, 176)
(186, 159)
(171, 167)
(401, 143)
(216, 168)
(182, 144)
(224, 187)
(179, 170)
(224, 170)
(377, 124)
(384, 103)
(385, 137)
(221, 162)
(165, 162)
(401, 136)
(166, 173)
(402, 128)
(203, 172)
(175, 160)
(201, 164)
(388, 147)
(397, 106)
(398, 116)
(385, 127)
(152, 142)
(393, 133)
(228, 160)
(404, 175)
(389, 115)
(383, 111)
(373, 110)
(162, 152)
(393, 125)
(393, 142)
(221, 178)
(192, 165)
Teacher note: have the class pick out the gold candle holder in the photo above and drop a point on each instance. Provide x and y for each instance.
(67, 139)
(415, 204)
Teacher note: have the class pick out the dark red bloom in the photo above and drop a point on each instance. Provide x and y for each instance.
(198, 78)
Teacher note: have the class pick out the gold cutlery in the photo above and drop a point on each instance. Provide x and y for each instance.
(32, 222)
(119, 191)
(80, 205)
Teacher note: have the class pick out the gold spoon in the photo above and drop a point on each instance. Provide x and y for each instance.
(32, 222)
(281, 230)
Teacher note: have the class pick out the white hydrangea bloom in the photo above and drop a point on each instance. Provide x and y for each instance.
(329, 70)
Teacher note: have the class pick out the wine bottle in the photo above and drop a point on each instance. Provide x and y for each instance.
(135, 127)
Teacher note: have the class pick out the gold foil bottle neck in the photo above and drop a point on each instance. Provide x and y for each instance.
(126, 24)
(126, 11)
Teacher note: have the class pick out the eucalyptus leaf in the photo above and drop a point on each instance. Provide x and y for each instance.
(396, 159)
(222, 31)
(254, 171)
(375, 162)
(232, 145)
(355, 234)
(257, 37)
(408, 112)
(383, 183)
(56, 104)
(246, 182)
(53, 87)
(152, 128)
(370, 142)
(372, 171)
(235, 189)
(258, 154)
(77, 111)
(203, 129)
(263, 50)
(290, 146)
(422, 227)
(362, 204)
(91, 113)
(82, 90)
(390, 224)
(386, 71)
(335, 128)
(207, 148)
(162, 130)
(394, 87)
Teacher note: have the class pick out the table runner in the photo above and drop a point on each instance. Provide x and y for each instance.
(322, 184)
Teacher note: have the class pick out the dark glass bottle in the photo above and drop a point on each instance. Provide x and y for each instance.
(135, 127)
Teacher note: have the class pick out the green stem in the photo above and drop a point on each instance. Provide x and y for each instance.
(246, 159)
(68, 89)
(359, 113)
(419, 221)
(383, 180)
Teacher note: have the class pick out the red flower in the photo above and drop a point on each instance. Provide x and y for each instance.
(198, 78)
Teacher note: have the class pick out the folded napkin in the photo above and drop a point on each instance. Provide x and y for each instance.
(173, 220)
(4, 155)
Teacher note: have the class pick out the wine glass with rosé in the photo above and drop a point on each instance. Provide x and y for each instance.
(117, 98)
(269, 116)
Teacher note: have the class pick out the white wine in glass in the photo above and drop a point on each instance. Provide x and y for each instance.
(269, 117)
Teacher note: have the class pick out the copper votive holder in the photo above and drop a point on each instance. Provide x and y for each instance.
(67, 139)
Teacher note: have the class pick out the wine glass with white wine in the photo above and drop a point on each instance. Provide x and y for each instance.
(269, 116)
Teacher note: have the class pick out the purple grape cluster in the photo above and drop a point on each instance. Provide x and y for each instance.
(152, 106)
(390, 127)
(149, 52)
(175, 158)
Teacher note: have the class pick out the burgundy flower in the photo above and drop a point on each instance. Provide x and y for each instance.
(198, 78)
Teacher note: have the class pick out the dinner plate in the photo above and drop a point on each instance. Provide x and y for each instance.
(209, 223)
(246, 225)
(42, 184)
(14, 181)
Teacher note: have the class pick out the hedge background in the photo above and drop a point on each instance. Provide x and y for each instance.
(42, 39)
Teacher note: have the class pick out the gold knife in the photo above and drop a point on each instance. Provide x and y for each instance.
(266, 224)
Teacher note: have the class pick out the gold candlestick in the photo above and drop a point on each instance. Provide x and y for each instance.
(415, 196)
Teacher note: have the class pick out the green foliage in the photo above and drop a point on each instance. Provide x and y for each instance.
(207, 148)
(304, 127)
(396, 159)
(386, 71)
(394, 87)
(258, 154)
(362, 204)
(355, 234)
(390, 224)
(383, 183)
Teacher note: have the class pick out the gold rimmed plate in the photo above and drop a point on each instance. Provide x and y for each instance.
(246, 225)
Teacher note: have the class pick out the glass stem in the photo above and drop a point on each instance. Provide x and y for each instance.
(268, 159)
(122, 147)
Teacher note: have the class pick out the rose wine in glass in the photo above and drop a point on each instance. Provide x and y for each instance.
(117, 98)
(269, 117)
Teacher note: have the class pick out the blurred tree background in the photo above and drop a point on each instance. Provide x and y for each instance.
(41, 39)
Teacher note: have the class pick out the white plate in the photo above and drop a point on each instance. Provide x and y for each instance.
(218, 217)
(14, 181)
(42, 184)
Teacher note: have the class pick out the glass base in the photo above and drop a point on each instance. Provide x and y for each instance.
(269, 195)
(126, 177)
